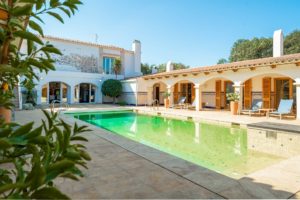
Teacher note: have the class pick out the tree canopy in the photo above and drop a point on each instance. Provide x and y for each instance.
(247, 49)
(147, 69)
(251, 49)
(112, 88)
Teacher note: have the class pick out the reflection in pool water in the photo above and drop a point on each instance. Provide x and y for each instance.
(227, 150)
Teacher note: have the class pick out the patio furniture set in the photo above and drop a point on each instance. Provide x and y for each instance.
(284, 108)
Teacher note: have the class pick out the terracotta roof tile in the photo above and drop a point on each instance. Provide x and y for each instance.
(85, 43)
(286, 59)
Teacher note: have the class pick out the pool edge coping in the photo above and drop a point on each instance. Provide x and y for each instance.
(136, 147)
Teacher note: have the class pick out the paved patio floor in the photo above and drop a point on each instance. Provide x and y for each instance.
(125, 169)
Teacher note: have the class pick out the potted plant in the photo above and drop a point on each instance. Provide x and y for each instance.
(167, 100)
(234, 102)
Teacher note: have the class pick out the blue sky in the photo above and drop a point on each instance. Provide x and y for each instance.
(194, 32)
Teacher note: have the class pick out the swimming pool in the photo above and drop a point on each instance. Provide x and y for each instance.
(224, 149)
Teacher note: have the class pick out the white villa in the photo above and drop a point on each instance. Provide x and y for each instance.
(82, 69)
(268, 79)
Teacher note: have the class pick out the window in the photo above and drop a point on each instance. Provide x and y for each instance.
(108, 63)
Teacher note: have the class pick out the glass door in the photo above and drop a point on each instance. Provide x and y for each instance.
(54, 92)
(84, 96)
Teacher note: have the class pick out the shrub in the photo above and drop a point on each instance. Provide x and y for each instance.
(122, 103)
(37, 156)
(112, 88)
(233, 96)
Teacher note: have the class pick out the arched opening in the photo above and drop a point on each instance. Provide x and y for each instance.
(184, 89)
(85, 93)
(159, 89)
(57, 92)
(214, 91)
(269, 89)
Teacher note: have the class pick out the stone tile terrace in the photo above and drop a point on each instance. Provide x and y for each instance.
(122, 168)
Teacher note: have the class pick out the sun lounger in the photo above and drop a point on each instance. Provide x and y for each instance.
(256, 105)
(180, 103)
(284, 108)
(191, 106)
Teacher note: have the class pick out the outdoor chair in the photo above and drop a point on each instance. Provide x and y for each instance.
(255, 109)
(284, 108)
(191, 106)
(180, 103)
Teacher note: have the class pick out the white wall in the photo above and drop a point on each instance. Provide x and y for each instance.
(72, 79)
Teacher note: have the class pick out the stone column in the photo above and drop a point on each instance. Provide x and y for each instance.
(297, 84)
(48, 90)
(198, 97)
(38, 94)
(238, 88)
(71, 94)
(149, 96)
(171, 92)
(61, 93)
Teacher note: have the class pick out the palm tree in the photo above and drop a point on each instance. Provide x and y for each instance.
(117, 66)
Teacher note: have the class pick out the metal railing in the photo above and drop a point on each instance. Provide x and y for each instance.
(155, 103)
(62, 106)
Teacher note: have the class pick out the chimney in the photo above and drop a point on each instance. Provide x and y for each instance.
(278, 43)
(169, 66)
(137, 49)
(153, 70)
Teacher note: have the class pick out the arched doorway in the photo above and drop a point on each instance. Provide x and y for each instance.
(158, 92)
(214, 93)
(85, 93)
(55, 92)
(184, 89)
(270, 89)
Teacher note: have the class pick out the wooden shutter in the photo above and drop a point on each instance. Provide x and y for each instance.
(193, 92)
(175, 94)
(248, 94)
(291, 88)
(266, 92)
(218, 94)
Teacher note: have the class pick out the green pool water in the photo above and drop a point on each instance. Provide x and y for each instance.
(219, 148)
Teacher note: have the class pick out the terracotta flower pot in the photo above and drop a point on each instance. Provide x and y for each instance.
(234, 106)
(5, 114)
(166, 102)
(3, 14)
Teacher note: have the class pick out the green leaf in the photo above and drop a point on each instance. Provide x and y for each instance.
(70, 176)
(57, 16)
(58, 168)
(40, 140)
(51, 50)
(22, 10)
(29, 36)
(36, 132)
(49, 193)
(79, 138)
(50, 122)
(54, 3)
(7, 187)
(37, 64)
(36, 27)
(65, 11)
(4, 132)
(38, 18)
(47, 64)
(37, 176)
(4, 144)
(22, 130)
(85, 155)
